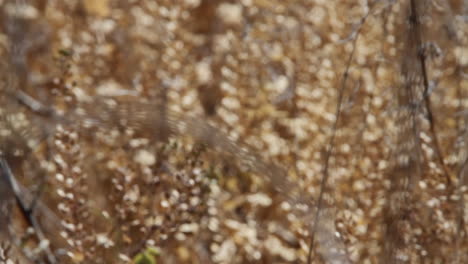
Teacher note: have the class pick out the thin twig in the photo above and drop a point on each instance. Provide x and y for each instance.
(331, 143)
(28, 213)
(415, 24)
(462, 177)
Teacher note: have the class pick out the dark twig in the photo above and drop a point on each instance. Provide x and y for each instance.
(462, 182)
(462, 178)
(27, 212)
(331, 143)
(415, 24)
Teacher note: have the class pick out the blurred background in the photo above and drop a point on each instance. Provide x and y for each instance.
(222, 115)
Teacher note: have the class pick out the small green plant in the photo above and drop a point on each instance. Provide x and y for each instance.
(148, 256)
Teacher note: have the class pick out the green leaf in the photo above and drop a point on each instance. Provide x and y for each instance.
(146, 257)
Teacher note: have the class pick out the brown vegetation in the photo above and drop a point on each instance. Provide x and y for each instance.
(253, 131)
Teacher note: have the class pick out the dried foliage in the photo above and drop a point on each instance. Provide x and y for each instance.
(254, 131)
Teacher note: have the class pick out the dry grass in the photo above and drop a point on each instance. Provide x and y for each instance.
(259, 131)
